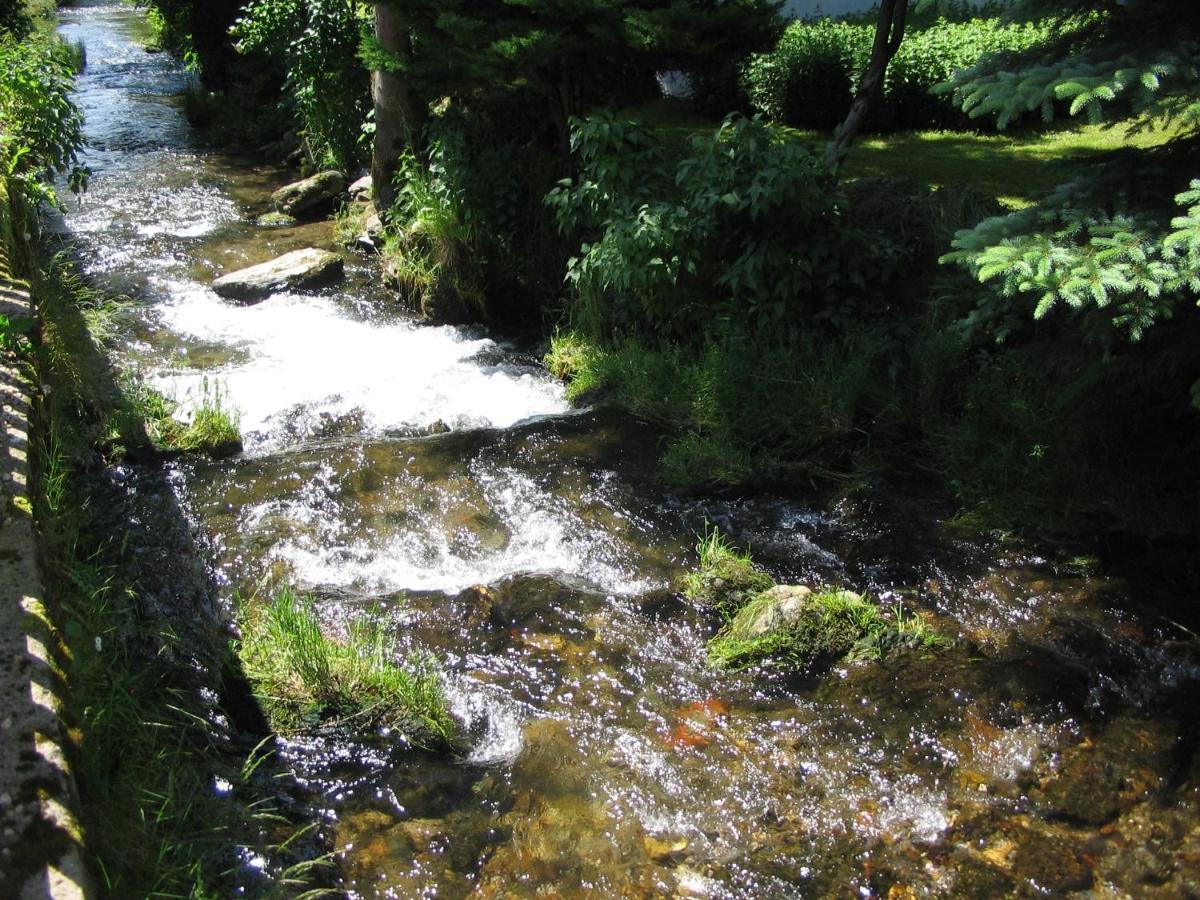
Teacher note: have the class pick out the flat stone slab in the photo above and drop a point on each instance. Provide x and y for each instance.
(295, 271)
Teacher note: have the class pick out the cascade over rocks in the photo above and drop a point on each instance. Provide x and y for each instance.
(298, 270)
(311, 198)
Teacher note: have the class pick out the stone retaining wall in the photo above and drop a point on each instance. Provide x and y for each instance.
(40, 840)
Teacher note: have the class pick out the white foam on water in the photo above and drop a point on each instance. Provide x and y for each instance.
(502, 722)
(546, 535)
(307, 354)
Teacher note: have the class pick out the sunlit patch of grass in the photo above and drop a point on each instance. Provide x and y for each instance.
(214, 428)
(305, 678)
(1015, 169)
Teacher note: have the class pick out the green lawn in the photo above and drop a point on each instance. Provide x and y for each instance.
(1015, 169)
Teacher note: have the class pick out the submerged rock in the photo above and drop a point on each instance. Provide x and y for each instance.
(275, 220)
(297, 270)
(311, 197)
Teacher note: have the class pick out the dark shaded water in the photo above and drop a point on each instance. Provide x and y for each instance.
(1051, 750)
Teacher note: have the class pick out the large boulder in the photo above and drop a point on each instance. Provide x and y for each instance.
(293, 271)
(311, 197)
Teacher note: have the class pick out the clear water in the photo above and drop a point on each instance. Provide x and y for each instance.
(605, 757)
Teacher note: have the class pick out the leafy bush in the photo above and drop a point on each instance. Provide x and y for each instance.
(41, 128)
(745, 229)
(809, 79)
(317, 43)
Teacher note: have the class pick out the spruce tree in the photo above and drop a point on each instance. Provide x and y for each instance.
(1124, 235)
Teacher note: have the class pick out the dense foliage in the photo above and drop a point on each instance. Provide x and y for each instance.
(809, 79)
(40, 126)
(316, 42)
(745, 228)
(1124, 237)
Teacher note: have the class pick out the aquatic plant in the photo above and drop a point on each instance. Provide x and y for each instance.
(305, 678)
(904, 631)
(214, 426)
(726, 578)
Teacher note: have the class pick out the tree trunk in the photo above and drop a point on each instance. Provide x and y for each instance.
(399, 116)
(889, 32)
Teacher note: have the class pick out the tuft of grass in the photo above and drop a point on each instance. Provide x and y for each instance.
(904, 631)
(304, 678)
(726, 578)
(214, 428)
(350, 221)
(430, 251)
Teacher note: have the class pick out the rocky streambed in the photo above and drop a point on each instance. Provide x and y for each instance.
(436, 477)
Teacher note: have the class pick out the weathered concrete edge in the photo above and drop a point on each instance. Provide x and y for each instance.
(39, 825)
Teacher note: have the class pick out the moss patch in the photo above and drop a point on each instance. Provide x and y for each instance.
(793, 632)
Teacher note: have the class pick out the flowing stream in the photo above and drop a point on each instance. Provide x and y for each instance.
(1051, 750)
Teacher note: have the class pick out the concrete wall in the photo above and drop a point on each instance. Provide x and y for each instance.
(40, 842)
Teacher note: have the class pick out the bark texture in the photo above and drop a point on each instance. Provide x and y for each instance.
(889, 32)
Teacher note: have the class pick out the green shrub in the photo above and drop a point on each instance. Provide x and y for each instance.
(809, 79)
(305, 678)
(41, 129)
(316, 42)
(745, 230)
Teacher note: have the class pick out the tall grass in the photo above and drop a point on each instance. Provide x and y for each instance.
(739, 411)
(430, 251)
(304, 678)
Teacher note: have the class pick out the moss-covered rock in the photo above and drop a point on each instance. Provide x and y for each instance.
(793, 626)
(726, 580)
